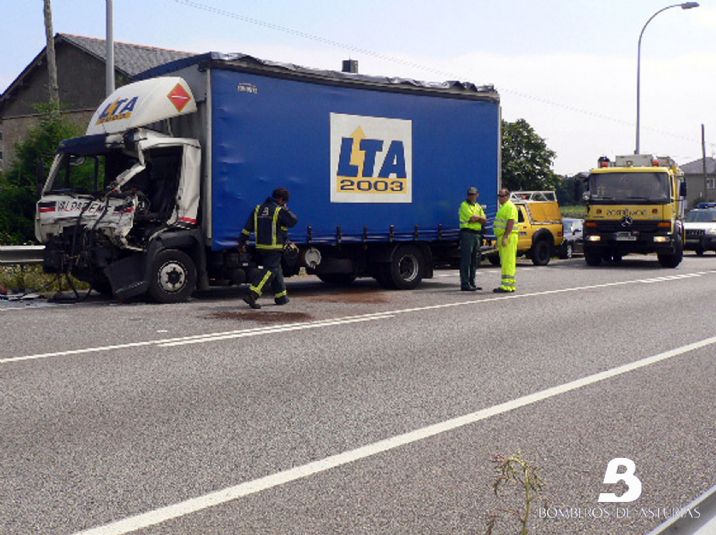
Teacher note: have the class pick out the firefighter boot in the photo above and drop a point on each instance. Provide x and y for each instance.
(250, 299)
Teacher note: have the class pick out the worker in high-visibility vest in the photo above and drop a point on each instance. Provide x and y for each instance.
(472, 218)
(270, 222)
(507, 235)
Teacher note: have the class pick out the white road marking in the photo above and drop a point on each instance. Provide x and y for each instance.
(256, 330)
(228, 494)
(314, 325)
(211, 337)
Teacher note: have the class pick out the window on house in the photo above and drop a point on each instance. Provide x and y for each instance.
(711, 183)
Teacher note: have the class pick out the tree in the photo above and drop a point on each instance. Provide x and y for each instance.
(20, 184)
(570, 190)
(526, 159)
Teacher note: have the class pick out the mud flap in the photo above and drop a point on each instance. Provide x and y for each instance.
(127, 277)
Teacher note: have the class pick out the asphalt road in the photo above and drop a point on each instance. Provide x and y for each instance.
(340, 413)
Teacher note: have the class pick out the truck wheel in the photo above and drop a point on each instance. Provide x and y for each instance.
(540, 253)
(593, 258)
(494, 259)
(406, 267)
(172, 277)
(674, 259)
(337, 279)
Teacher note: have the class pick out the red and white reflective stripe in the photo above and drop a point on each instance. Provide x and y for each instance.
(189, 220)
(44, 209)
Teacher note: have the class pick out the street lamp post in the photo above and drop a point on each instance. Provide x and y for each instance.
(685, 5)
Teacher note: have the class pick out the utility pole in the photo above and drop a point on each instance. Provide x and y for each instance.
(109, 56)
(51, 61)
(703, 162)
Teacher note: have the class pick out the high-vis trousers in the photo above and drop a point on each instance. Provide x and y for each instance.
(270, 274)
(508, 261)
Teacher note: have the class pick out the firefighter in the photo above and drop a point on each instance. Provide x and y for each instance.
(472, 217)
(507, 236)
(270, 222)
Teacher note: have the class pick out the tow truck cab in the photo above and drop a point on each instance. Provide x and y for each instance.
(635, 205)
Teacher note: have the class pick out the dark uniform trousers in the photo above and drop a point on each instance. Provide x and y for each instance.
(272, 274)
(469, 256)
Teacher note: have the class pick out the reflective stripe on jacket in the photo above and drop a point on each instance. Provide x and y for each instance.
(270, 222)
(506, 212)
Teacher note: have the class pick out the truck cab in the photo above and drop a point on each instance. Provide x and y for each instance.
(635, 205)
(122, 189)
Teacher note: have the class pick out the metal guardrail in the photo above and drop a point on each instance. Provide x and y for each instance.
(21, 254)
(688, 522)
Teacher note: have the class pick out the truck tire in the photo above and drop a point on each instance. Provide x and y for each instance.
(406, 267)
(540, 253)
(172, 278)
(337, 279)
(592, 257)
(494, 259)
(674, 259)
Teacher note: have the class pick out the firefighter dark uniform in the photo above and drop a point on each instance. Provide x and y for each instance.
(270, 223)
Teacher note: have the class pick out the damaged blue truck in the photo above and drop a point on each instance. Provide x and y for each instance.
(152, 200)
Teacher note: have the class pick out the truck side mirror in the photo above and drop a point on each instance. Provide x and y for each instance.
(682, 189)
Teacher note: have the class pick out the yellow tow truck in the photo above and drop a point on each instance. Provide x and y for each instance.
(539, 223)
(635, 205)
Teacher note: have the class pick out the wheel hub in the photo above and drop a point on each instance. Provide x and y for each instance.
(172, 277)
(408, 267)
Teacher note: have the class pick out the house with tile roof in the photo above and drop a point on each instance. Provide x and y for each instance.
(698, 185)
(81, 79)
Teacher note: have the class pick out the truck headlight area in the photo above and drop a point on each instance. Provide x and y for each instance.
(661, 239)
(594, 237)
(711, 231)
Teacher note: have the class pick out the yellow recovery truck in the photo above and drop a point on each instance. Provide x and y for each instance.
(539, 223)
(635, 205)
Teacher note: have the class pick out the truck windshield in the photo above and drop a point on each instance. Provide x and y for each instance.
(701, 216)
(629, 188)
(83, 174)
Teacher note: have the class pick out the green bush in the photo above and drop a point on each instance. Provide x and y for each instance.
(31, 278)
(20, 184)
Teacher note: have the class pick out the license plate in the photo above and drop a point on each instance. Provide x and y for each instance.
(625, 236)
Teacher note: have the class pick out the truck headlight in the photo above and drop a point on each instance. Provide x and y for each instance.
(594, 237)
(661, 239)
(711, 231)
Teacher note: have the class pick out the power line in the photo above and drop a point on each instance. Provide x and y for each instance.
(392, 59)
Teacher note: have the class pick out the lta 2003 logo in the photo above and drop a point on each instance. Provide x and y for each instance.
(371, 159)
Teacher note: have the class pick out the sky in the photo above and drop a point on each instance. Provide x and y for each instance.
(566, 66)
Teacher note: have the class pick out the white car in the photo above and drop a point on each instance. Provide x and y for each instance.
(700, 226)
